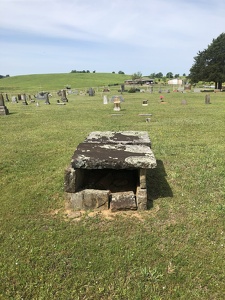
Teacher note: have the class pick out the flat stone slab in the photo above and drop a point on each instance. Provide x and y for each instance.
(114, 150)
(121, 137)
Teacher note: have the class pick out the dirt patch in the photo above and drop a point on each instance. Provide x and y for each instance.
(105, 214)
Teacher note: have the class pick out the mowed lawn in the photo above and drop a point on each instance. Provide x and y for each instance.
(174, 250)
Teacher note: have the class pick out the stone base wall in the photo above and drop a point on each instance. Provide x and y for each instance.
(95, 199)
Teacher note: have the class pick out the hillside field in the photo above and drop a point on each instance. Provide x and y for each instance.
(174, 250)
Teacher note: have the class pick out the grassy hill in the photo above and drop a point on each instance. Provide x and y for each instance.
(53, 82)
(175, 250)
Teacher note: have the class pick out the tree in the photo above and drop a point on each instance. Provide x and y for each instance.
(209, 64)
(159, 75)
(169, 75)
(137, 75)
(121, 72)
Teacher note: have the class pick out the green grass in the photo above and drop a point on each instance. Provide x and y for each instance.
(54, 82)
(175, 250)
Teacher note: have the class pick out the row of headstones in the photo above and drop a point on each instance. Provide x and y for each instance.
(44, 96)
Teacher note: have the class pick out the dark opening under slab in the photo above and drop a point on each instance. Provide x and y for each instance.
(110, 179)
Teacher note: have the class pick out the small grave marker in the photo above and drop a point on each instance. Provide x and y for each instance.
(183, 102)
(105, 99)
(207, 99)
(14, 99)
(145, 103)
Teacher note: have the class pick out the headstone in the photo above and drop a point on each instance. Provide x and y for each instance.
(207, 99)
(14, 99)
(41, 95)
(6, 97)
(105, 99)
(91, 92)
(63, 96)
(187, 87)
(3, 109)
(47, 100)
(24, 98)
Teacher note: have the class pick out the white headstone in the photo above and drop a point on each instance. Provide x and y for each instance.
(105, 99)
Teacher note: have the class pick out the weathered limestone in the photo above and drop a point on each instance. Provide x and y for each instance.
(88, 199)
(123, 201)
(141, 198)
(108, 171)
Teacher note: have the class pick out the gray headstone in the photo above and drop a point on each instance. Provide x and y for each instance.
(63, 96)
(91, 92)
(3, 108)
(47, 99)
(2, 102)
(207, 99)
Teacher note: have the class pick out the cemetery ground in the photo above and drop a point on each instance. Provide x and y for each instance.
(174, 250)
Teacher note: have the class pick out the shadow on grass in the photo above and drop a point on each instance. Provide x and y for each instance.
(157, 184)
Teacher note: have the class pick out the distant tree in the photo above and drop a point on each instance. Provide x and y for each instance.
(121, 72)
(113, 72)
(209, 64)
(184, 74)
(169, 75)
(176, 75)
(94, 71)
(2, 76)
(137, 75)
(159, 75)
(152, 75)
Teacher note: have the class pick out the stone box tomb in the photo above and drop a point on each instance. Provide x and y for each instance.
(108, 171)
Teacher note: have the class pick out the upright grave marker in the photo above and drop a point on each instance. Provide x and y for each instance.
(3, 109)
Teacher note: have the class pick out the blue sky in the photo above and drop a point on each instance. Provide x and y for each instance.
(150, 36)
